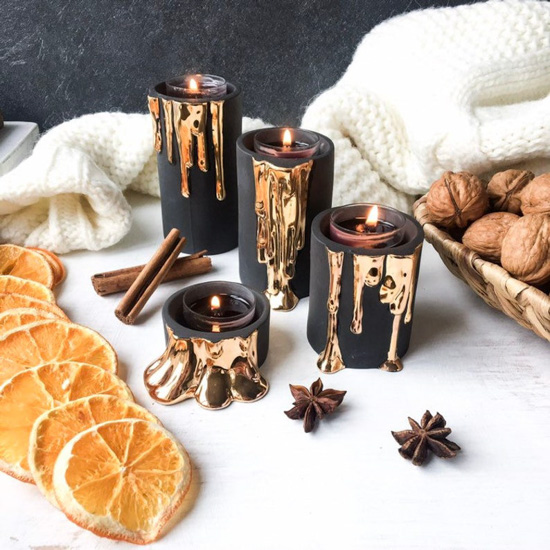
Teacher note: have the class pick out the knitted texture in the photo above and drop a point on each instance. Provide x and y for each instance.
(69, 194)
(464, 88)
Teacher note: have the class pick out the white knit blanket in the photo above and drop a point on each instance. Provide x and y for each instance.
(463, 88)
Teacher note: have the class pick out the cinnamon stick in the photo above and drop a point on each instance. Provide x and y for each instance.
(120, 280)
(149, 278)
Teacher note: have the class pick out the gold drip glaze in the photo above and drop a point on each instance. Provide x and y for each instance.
(216, 109)
(281, 201)
(367, 271)
(330, 359)
(154, 109)
(214, 373)
(189, 123)
(397, 291)
(168, 129)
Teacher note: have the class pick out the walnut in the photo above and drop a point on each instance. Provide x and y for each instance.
(455, 200)
(526, 249)
(535, 198)
(505, 188)
(485, 235)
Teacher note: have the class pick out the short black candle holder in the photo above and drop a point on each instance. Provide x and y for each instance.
(216, 368)
(195, 141)
(278, 199)
(362, 300)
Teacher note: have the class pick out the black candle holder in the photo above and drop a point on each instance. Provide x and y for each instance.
(195, 141)
(216, 368)
(362, 300)
(278, 199)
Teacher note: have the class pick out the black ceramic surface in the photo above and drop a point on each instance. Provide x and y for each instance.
(369, 349)
(172, 315)
(206, 222)
(252, 272)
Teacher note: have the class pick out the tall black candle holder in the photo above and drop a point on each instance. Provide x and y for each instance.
(195, 141)
(215, 368)
(278, 199)
(362, 300)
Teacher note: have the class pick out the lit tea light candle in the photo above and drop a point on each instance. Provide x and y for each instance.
(367, 226)
(218, 307)
(286, 142)
(197, 86)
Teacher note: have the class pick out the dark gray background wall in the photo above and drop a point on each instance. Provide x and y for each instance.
(63, 58)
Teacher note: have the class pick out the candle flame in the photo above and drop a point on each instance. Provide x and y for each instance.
(215, 302)
(287, 138)
(372, 218)
(193, 86)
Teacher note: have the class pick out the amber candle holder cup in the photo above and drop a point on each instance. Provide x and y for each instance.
(361, 301)
(278, 198)
(214, 367)
(195, 138)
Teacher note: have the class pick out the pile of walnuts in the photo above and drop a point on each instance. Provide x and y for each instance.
(507, 222)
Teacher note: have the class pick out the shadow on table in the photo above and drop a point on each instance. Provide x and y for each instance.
(188, 501)
(433, 323)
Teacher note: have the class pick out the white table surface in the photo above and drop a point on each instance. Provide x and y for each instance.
(261, 482)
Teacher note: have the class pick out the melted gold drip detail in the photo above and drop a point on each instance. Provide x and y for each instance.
(367, 271)
(168, 129)
(154, 109)
(397, 290)
(189, 123)
(214, 373)
(281, 202)
(216, 110)
(330, 359)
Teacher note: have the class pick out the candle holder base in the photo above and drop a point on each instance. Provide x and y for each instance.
(213, 368)
(361, 300)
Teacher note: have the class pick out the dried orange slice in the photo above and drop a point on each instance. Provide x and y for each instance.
(55, 428)
(18, 317)
(122, 479)
(9, 284)
(13, 300)
(53, 341)
(32, 392)
(59, 271)
(25, 263)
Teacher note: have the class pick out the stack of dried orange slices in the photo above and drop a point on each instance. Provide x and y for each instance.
(68, 423)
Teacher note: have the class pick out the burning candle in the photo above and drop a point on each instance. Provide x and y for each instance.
(367, 226)
(286, 142)
(197, 86)
(218, 307)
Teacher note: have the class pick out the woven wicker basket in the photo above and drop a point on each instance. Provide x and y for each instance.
(527, 305)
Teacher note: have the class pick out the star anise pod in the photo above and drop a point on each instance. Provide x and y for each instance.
(314, 403)
(431, 434)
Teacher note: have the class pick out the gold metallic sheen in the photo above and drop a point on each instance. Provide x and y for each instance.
(216, 110)
(154, 109)
(281, 202)
(168, 129)
(367, 271)
(330, 359)
(397, 290)
(189, 123)
(214, 373)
